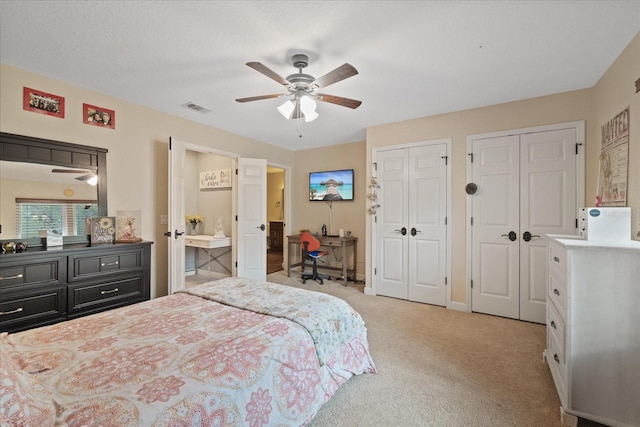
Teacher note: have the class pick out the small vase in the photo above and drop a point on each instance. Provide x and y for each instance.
(193, 229)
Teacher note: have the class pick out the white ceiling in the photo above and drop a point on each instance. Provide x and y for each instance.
(415, 58)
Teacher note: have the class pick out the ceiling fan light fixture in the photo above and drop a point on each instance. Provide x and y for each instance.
(308, 108)
(286, 109)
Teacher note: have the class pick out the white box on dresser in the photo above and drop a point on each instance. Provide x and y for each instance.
(593, 329)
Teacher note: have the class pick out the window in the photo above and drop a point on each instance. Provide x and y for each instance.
(67, 217)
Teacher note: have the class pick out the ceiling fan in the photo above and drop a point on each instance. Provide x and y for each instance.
(302, 88)
(86, 177)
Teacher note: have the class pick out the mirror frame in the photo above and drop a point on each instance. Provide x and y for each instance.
(21, 148)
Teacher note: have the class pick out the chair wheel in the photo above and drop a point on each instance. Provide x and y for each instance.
(321, 282)
(304, 282)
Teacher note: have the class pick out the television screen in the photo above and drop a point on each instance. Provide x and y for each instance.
(331, 185)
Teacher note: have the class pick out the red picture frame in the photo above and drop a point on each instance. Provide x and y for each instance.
(37, 101)
(98, 116)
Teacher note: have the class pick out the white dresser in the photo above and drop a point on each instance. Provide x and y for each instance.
(593, 329)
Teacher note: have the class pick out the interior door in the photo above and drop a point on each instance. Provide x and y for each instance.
(176, 215)
(411, 231)
(548, 205)
(526, 188)
(427, 236)
(252, 219)
(392, 269)
(496, 218)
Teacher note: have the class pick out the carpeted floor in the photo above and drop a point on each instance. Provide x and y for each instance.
(439, 367)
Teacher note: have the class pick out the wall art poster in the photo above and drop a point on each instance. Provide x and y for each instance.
(215, 179)
(42, 102)
(98, 116)
(614, 161)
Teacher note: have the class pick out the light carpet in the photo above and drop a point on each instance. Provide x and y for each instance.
(440, 367)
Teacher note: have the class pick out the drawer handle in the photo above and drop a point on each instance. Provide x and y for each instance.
(556, 358)
(17, 276)
(556, 291)
(104, 264)
(109, 292)
(17, 310)
(556, 259)
(553, 325)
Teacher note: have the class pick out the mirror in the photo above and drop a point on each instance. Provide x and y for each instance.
(45, 184)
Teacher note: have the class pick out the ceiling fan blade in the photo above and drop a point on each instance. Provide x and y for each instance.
(259, 67)
(69, 171)
(258, 98)
(338, 100)
(85, 177)
(342, 72)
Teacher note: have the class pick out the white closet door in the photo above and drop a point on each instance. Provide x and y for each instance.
(547, 206)
(526, 188)
(391, 243)
(411, 229)
(496, 217)
(176, 218)
(427, 234)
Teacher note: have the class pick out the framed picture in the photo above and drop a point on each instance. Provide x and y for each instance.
(215, 179)
(102, 229)
(43, 103)
(98, 116)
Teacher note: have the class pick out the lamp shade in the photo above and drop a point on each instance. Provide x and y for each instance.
(286, 109)
(308, 107)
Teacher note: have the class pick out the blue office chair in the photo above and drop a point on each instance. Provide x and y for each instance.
(310, 246)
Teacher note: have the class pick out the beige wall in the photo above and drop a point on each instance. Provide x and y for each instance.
(594, 105)
(138, 152)
(614, 92)
(348, 215)
(138, 147)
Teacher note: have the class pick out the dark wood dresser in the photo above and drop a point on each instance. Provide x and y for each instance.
(43, 286)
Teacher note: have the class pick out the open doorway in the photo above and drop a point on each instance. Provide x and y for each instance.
(275, 219)
(208, 201)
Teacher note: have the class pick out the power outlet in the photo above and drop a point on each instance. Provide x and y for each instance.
(164, 219)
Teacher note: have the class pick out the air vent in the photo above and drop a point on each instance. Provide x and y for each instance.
(195, 107)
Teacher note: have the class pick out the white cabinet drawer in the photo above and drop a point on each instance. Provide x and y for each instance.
(555, 328)
(558, 257)
(558, 290)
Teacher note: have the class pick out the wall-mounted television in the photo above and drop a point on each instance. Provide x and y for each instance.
(332, 186)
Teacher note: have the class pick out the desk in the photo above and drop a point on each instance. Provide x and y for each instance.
(206, 243)
(327, 241)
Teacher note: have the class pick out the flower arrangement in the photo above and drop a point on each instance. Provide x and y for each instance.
(194, 219)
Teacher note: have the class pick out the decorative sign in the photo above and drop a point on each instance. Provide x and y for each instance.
(103, 229)
(215, 179)
(614, 161)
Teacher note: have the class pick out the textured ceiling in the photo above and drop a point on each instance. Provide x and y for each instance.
(415, 58)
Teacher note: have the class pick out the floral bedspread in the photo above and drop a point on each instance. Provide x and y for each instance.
(180, 360)
(330, 321)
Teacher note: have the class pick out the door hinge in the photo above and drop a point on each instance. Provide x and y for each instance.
(445, 280)
(471, 220)
(446, 160)
(236, 171)
(445, 220)
(471, 283)
(576, 222)
(375, 219)
(578, 144)
(471, 157)
(236, 218)
(375, 271)
(375, 166)
(236, 264)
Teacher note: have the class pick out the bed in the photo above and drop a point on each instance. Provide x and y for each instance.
(228, 352)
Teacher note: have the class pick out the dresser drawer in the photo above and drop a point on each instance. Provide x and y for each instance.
(558, 257)
(44, 272)
(556, 327)
(87, 266)
(558, 290)
(32, 307)
(106, 294)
